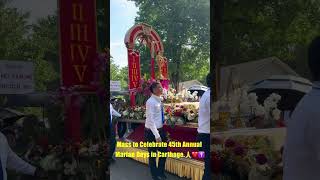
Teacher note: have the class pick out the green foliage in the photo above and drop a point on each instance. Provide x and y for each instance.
(37, 43)
(184, 28)
(259, 29)
(119, 74)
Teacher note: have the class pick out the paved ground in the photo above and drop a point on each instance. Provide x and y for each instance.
(128, 169)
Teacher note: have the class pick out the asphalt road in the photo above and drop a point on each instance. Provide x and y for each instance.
(129, 169)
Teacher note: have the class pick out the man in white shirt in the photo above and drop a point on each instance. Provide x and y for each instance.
(113, 140)
(302, 148)
(204, 127)
(8, 159)
(154, 131)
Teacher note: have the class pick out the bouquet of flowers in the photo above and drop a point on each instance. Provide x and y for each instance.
(244, 157)
(137, 112)
(172, 97)
(143, 92)
(184, 96)
(180, 114)
(70, 161)
(244, 110)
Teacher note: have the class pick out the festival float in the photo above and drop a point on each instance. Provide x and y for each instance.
(181, 108)
(247, 136)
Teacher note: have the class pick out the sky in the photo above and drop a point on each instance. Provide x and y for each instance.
(122, 15)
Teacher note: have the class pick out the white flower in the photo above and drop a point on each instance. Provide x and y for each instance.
(131, 115)
(195, 93)
(83, 150)
(217, 147)
(125, 113)
(191, 116)
(252, 97)
(93, 149)
(69, 169)
(50, 162)
(276, 113)
(260, 111)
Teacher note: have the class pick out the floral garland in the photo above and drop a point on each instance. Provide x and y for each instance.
(248, 157)
(241, 109)
(171, 96)
(180, 114)
(70, 160)
(137, 112)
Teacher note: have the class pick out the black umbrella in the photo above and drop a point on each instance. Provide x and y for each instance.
(289, 98)
(9, 116)
(290, 88)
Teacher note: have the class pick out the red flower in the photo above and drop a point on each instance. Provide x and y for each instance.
(261, 159)
(229, 143)
(216, 163)
(239, 151)
(168, 110)
(177, 113)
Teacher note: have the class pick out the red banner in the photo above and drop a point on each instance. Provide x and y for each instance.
(78, 47)
(134, 69)
(78, 41)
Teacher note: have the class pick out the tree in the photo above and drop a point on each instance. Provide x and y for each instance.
(44, 52)
(14, 27)
(259, 29)
(119, 74)
(186, 37)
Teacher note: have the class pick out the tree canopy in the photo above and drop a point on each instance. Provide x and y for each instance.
(184, 28)
(258, 29)
(119, 74)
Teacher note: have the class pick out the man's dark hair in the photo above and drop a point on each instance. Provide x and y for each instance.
(153, 86)
(314, 58)
(210, 80)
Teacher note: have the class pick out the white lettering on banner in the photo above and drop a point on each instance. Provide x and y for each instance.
(16, 77)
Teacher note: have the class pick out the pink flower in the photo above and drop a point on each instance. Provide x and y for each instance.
(261, 159)
(146, 92)
(141, 81)
(139, 89)
(229, 143)
(239, 151)
(177, 113)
